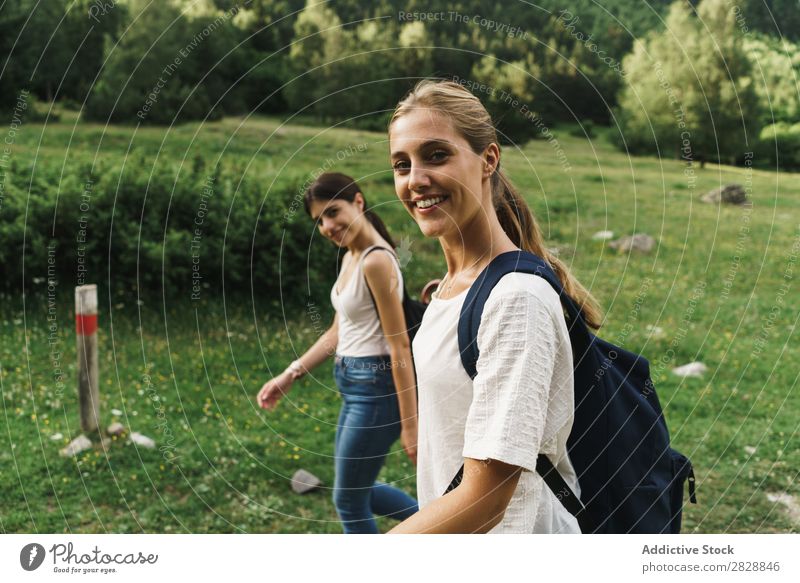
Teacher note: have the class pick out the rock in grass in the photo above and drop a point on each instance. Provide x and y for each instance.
(728, 194)
(655, 331)
(638, 242)
(562, 251)
(693, 369)
(76, 446)
(603, 235)
(304, 482)
(116, 429)
(142, 440)
(789, 503)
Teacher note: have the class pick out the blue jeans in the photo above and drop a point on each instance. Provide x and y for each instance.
(369, 423)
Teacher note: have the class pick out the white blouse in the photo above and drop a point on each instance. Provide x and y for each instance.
(519, 404)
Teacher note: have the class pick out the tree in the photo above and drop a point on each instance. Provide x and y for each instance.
(776, 70)
(170, 66)
(509, 97)
(690, 88)
(773, 17)
(318, 40)
(354, 72)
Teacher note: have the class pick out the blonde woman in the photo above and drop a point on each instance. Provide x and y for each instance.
(446, 162)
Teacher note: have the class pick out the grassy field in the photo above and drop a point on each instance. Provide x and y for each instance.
(717, 289)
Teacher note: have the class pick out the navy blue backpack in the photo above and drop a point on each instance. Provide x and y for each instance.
(631, 480)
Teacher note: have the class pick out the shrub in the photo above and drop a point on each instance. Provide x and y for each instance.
(153, 228)
(779, 146)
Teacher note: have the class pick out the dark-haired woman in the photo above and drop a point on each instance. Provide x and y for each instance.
(520, 404)
(373, 367)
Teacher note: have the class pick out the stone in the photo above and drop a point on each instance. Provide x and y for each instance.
(638, 242)
(116, 412)
(562, 251)
(603, 235)
(790, 504)
(142, 440)
(56, 437)
(76, 446)
(728, 194)
(304, 482)
(693, 369)
(749, 449)
(116, 428)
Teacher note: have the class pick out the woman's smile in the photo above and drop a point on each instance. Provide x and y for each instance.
(428, 204)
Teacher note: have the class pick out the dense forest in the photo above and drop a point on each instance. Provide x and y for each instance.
(141, 62)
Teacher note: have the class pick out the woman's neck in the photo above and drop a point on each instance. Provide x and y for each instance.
(367, 237)
(471, 248)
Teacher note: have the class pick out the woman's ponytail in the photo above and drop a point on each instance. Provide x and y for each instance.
(521, 227)
(376, 222)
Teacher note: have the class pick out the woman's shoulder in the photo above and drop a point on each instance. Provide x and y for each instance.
(380, 266)
(524, 285)
(379, 260)
(519, 295)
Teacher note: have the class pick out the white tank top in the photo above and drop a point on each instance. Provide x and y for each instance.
(360, 332)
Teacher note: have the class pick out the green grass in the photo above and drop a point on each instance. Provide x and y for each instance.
(206, 364)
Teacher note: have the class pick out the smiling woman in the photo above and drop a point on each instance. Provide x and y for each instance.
(519, 404)
(373, 368)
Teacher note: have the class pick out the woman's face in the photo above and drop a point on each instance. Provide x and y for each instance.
(443, 184)
(338, 220)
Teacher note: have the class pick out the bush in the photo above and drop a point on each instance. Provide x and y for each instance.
(152, 228)
(779, 146)
(585, 129)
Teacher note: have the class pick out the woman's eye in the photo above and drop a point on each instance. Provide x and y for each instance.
(438, 155)
(398, 166)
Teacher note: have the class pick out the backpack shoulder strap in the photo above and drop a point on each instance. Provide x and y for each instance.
(468, 324)
(472, 310)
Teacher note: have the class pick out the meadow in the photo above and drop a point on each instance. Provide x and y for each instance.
(717, 288)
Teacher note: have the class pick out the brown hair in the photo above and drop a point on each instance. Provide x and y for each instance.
(337, 186)
(470, 119)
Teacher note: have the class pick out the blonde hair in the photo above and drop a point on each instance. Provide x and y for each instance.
(470, 119)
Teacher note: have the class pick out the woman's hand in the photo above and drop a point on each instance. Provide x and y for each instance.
(408, 439)
(274, 389)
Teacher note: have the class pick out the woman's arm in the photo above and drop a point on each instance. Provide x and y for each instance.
(322, 349)
(379, 271)
(476, 506)
(275, 388)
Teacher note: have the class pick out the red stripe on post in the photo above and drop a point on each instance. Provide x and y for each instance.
(86, 324)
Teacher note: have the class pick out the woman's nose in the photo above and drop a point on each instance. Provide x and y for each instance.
(418, 178)
(327, 225)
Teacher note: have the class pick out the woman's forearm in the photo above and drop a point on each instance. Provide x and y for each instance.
(323, 348)
(477, 504)
(458, 512)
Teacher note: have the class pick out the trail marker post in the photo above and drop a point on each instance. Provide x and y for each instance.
(88, 373)
(88, 369)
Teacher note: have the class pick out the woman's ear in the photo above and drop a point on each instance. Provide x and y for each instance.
(491, 159)
(360, 202)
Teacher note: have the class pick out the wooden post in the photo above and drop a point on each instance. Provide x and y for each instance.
(86, 328)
